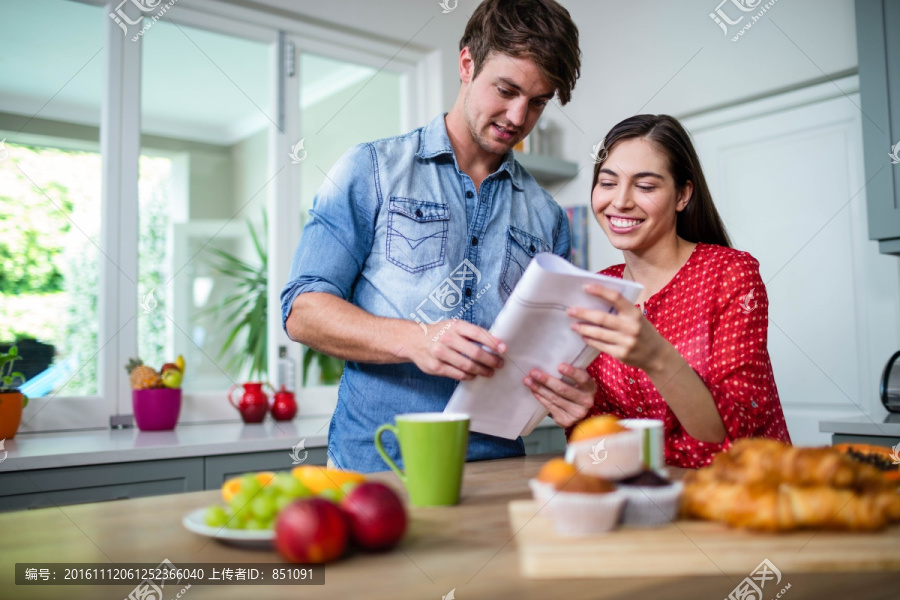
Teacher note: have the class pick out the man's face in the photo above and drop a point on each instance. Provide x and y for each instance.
(504, 101)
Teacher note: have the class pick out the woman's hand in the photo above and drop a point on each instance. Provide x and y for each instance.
(626, 336)
(568, 404)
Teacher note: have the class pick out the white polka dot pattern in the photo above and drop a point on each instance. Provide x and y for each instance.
(716, 313)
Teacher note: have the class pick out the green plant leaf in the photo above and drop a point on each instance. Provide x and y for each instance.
(243, 312)
(308, 355)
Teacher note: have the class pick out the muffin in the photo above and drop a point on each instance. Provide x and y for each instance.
(603, 447)
(650, 500)
(586, 505)
(576, 503)
(552, 476)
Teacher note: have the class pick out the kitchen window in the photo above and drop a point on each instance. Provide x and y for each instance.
(163, 150)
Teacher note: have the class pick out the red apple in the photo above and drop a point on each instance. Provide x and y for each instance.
(311, 530)
(376, 516)
(168, 366)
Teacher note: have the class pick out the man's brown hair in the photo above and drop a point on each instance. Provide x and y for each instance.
(541, 30)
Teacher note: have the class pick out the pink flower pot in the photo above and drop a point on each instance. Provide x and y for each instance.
(156, 409)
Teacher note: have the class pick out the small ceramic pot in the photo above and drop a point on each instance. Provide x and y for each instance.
(11, 404)
(156, 409)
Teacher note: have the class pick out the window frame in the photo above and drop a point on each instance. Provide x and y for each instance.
(120, 149)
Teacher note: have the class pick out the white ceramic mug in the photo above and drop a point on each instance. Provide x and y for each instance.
(653, 449)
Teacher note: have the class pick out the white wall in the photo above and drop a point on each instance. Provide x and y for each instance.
(647, 56)
(637, 57)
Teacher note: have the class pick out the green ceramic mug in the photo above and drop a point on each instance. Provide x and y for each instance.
(433, 447)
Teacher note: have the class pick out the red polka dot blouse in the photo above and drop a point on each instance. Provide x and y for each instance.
(715, 312)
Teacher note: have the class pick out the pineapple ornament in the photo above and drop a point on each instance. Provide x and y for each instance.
(141, 376)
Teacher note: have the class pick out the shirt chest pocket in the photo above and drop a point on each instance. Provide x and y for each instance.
(521, 246)
(416, 234)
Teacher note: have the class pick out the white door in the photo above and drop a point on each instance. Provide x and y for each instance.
(786, 174)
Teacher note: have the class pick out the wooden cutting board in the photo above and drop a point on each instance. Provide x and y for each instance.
(691, 548)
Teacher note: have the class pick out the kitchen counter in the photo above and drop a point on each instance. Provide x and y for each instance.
(61, 468)
(76, 448)
(468, 548)
(882, 429)
(30, 451)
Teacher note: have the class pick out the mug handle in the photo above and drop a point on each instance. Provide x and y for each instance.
(384, 455)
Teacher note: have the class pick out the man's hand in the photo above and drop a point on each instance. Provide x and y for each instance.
(456, 349)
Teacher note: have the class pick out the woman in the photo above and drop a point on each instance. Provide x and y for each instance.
(692, 351)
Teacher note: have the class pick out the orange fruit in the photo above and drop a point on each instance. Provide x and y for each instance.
(596, 427)
(556, 471)
(318, 478)
(233, 486)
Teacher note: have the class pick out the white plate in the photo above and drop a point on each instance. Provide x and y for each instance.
(195, 522)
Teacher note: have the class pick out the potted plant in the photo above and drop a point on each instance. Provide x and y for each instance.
(35, 357)
(246, 309)
(12, 400)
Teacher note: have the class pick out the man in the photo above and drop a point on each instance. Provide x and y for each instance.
(415, 241)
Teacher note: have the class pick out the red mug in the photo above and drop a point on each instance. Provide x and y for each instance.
(254, 404)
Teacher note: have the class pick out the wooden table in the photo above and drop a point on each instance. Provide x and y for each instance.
(469, 548)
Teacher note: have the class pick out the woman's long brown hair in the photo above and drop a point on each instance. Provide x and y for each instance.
(699, 221)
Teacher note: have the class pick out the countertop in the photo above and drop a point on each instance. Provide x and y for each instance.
(469, 548)
(885, 425)
(28, 451)
(75, 448)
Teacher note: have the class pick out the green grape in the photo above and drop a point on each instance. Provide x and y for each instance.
(282, 501)
(239, 503)
(215, 516)
(331, 494)
(263, 508)
(294, 488)
(348, 487)
(235, 521)
(254, 524)
(250, 485)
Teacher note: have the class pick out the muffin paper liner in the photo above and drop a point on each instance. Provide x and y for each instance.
(650, 506)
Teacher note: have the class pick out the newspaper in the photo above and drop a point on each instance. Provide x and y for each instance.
(537, 332)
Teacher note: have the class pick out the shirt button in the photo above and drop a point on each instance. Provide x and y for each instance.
(469, 194)
(645, 312)
(753, 404)
(630, 380)
(639, 409)
(418, 213)
(468, 292)
(531, 247)
(474, 241)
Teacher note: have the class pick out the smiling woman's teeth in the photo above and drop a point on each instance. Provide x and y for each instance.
(624, 222)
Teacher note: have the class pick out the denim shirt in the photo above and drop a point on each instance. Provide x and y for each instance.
(398, 230)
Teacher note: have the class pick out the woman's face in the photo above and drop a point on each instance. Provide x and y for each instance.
(635, 199)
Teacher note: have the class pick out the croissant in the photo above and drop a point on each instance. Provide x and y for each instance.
(787, 507)
(764, 461)
(771, 486)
